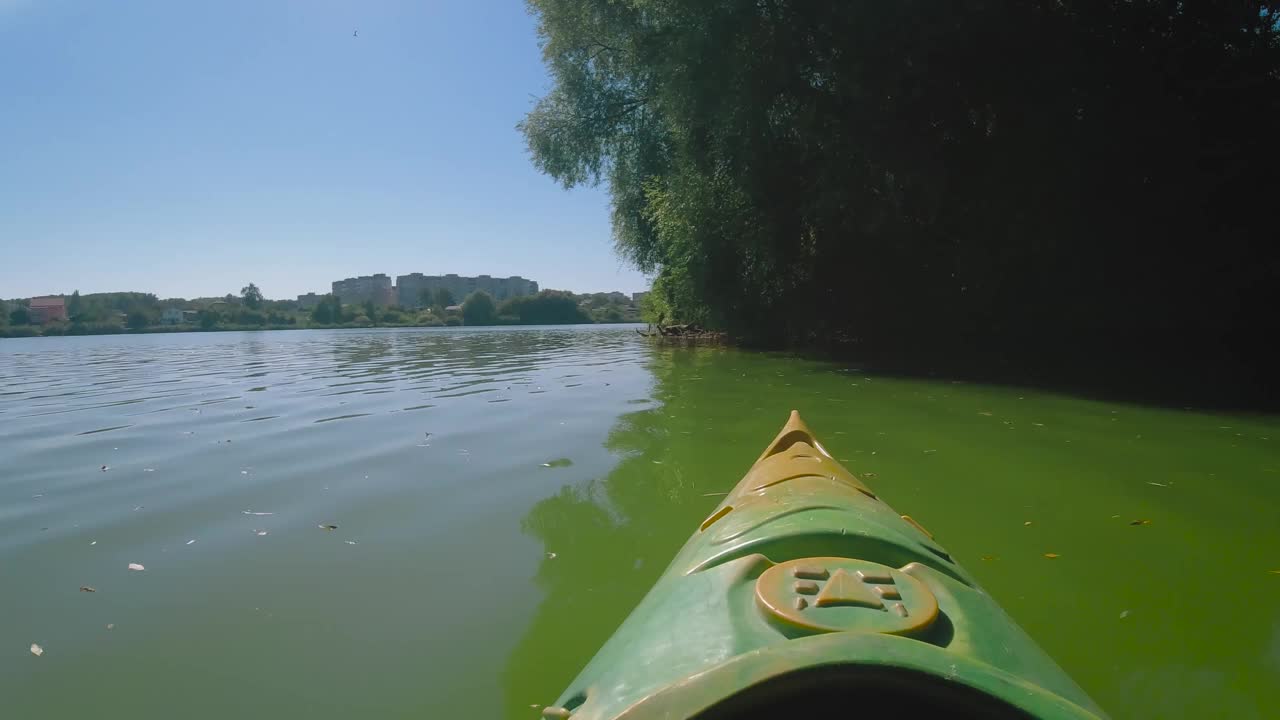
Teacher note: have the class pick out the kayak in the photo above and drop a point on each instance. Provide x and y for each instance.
(803, 590)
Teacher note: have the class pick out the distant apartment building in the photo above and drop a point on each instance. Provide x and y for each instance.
(365, 288)
(410, 287)
(308, 301)
(47, 308)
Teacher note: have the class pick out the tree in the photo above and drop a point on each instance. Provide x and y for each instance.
(549, 307)
(208, 319)
(479, 309)
(137, 320)
(75, 306)
(371, 311)
(251, 296)
(918, 176)
(327, 311)
(20, 316)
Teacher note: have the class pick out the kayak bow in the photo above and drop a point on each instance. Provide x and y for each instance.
(803, 590)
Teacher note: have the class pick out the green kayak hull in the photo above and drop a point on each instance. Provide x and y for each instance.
(803, 590)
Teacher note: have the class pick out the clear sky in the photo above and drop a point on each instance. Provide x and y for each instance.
(188, 148)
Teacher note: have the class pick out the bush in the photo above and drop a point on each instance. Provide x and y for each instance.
(453, 321)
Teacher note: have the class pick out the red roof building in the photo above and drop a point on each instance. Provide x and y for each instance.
(47, 309)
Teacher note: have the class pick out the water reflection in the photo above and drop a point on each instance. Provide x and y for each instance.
(608, 540)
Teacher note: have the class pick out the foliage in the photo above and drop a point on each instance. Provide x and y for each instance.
(479, 309)
(548, 307)
(251, 296)
(929, 175)
(20, 316)
(327, 311)
(453, 321)
(138, 320)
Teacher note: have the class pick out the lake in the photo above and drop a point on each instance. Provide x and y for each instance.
(503, 497)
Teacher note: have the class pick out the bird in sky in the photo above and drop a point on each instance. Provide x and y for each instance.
(355, 33)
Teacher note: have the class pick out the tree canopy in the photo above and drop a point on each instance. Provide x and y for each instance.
(548, 307)
(251, 296)
(928, 175)
(479, 309)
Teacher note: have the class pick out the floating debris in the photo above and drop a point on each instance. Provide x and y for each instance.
(557, 463)
(111, 626)
(714, 494)
(137, 567)
(37, 497)
(104, 468)
(191, 542)
(36, 650)
(86, 588)
(990, 557)
(551, 556)
(1027, 523)
(985, 413)
(93, 542)
(350, 542)
(1124, 614)
(930, 452)
(250, 512)
(260, 533)
(1139, 522)
(148, 469)
(1149, 482)
(1052, 556)
(327, 527)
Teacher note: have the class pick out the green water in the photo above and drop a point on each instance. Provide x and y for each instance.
(466, 578)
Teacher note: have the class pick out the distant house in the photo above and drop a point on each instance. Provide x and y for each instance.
(177, 316)
(48, 308)
(453, 308)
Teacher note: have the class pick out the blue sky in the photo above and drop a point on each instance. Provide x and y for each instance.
(187, 148)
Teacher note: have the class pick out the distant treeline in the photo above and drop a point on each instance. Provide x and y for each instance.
(109, 313)
(1022, 178)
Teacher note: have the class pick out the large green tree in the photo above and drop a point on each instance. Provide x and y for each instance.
(921, 175)
(251, 296)
(479, 309)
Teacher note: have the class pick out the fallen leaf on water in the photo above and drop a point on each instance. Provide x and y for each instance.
(111, 626)
(1274, 572)
(557, 463)
(1124, 614)
(1052, 556)
(36, 650)
(1113, 517)
(930, 452)
(985, 413)
(551, 556)
(1139, 522)
(136, 566)
(351, 542)
(261, 532)
(990, 557)
(95, 542)
(86, 588)
(1156, 484)
(250, 512)
(327, 527)
(1026, 523)
(868, 474)
(190, 542)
